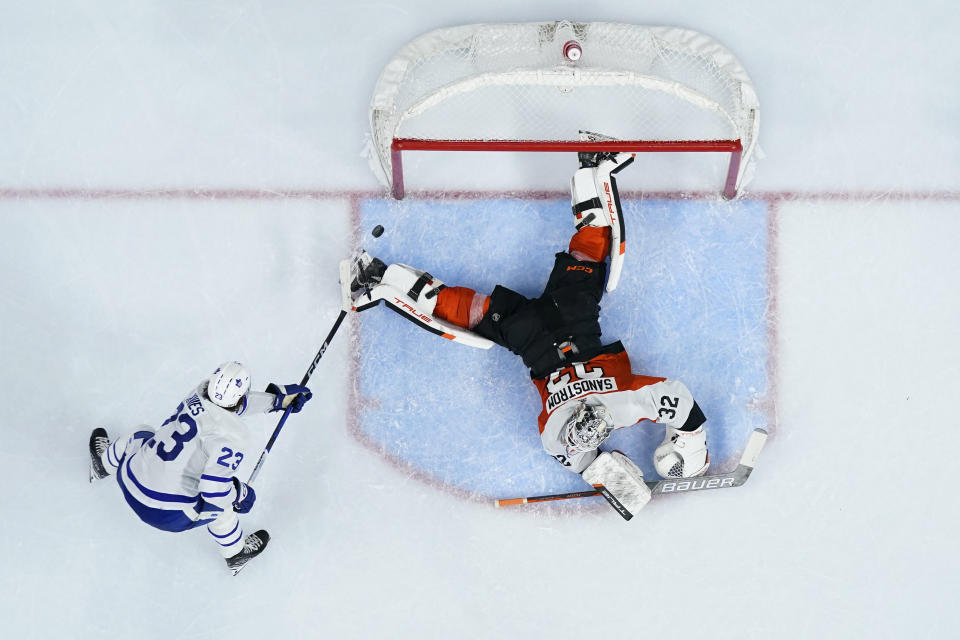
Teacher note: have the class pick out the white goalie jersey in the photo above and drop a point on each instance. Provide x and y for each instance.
(189, 462)
(628, 397)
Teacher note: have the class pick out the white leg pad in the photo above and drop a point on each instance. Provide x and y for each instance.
(593, 192)
(583, 195)
(403, 289)
(404, 278)
(622, 479)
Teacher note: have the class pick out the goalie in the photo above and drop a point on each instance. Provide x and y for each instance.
(587, 388)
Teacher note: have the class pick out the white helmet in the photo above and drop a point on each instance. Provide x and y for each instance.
(587, 427)
(228, 385)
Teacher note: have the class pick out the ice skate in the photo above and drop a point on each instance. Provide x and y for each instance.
(358, 275)
(253, 545)
(590, 159)
(99, 441)
(368, 273)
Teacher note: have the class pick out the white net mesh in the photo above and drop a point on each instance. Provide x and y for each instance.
(512, 82)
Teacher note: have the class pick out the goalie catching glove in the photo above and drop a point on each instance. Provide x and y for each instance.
(683, 454)
(293, 396)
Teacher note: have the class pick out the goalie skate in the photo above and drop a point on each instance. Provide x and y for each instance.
(358, 275)
(594, 158)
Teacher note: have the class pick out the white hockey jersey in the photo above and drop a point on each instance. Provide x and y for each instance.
(629, 398)
(189, 462)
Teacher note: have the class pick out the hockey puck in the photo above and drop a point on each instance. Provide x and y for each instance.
(377, 231)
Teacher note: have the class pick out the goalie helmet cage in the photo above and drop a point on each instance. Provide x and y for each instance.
(510, 87)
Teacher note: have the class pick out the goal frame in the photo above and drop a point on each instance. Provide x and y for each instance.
(683, 72)
(733, 147)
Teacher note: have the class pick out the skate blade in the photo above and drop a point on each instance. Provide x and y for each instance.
(94, 475)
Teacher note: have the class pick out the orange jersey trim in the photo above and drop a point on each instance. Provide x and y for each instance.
(605, 373)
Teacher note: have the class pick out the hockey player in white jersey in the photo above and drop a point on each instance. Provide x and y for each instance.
(587, 388)
(181, 475)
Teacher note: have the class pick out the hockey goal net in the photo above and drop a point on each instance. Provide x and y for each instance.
(519, 87)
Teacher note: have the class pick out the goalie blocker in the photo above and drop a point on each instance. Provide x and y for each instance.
(619, 481)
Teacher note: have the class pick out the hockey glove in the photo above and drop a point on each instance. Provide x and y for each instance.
(290, 395)
(683, 454)
(246, 496)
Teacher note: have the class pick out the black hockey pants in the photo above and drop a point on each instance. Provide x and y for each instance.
(562, 325)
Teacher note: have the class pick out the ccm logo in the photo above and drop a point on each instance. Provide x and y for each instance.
(406, 307)
(693, 485)
(580, 267)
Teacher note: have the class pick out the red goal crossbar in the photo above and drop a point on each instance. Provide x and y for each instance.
(733, 147)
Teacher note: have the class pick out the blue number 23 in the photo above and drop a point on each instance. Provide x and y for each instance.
(186, 431)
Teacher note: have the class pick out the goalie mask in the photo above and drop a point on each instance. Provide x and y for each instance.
(587, 427)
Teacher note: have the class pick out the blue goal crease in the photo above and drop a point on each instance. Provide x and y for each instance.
(691, 305)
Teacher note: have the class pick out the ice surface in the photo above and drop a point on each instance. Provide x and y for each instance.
(178, 182)
(691, 305)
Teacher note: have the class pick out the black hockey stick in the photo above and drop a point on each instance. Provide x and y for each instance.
(344, 308)
(303, 382)
(727, 480)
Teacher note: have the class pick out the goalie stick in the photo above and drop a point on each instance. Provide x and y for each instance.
(727, 480)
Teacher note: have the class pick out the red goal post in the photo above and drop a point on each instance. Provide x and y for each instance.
(509, 87)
